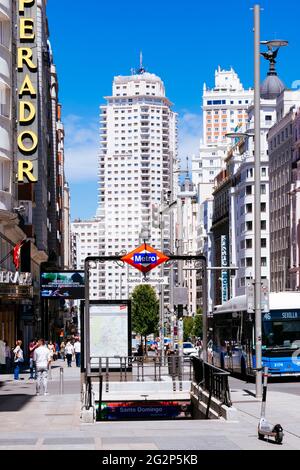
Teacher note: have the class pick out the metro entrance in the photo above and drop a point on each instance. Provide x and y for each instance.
(118, 386)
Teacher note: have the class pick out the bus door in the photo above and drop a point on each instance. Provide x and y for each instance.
(234, 346)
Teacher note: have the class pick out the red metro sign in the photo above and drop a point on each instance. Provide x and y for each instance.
(145, 258)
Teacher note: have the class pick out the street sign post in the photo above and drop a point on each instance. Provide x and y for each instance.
(250, 291)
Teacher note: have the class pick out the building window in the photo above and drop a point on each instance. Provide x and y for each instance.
(248, 190)
(249, 262)
(264, 243)
(263, 207)
(5, 102)
(249, 208)
(249, 225)
(264, 261)
(263, 225)
(249, 243)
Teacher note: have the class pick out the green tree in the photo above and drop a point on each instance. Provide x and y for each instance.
(198, 328)
(188, 326)
(145, 310)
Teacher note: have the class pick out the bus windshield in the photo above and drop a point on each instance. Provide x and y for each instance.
(281, 334)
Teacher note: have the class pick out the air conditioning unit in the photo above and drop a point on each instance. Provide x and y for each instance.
(27, 214)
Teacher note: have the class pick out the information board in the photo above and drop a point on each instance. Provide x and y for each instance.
(110, 332)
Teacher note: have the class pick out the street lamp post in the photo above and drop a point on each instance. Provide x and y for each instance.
(257, 208)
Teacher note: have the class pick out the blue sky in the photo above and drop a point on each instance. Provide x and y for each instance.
(182, 42)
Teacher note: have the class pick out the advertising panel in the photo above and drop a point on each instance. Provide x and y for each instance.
(224, 263)
(63, 284)
(110, 332)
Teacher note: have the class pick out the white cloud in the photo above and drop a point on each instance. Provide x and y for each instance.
(189, 135)
(81, 148)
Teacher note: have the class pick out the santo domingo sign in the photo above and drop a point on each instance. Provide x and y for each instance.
(145, 258)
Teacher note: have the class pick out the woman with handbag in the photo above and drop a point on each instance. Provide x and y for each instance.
(18, 359)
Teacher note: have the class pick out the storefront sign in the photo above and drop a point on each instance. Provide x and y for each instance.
(20, 279)
(9, 291)
(27, 136)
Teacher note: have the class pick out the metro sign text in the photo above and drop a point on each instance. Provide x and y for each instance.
(145, 258)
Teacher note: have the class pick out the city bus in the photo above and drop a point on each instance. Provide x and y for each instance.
(234, 336)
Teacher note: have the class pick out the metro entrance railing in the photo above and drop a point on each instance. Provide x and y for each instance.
(142, 369)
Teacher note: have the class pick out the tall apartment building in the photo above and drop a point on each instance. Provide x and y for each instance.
(138, 149)
(224, 109)
(87, 239)
(281, 144)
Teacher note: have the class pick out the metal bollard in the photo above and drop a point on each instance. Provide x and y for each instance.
(61, 381)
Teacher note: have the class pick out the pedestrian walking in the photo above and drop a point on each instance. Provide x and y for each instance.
(18, 359)
(8, 356)
(69, 350)
(2, 356)
(77, 349)
(62, 350)
(32, 346)
(42, 358)
(51, 348)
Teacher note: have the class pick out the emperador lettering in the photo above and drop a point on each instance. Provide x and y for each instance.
(27, 138)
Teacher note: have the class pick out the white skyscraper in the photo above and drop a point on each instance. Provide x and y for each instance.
(138, 144)
(224, 109)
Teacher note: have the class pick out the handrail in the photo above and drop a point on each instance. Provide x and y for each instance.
(213, 380)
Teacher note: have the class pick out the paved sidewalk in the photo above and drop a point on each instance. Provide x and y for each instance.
(52, 422)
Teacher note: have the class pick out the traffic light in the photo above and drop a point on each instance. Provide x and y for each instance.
(180, 311)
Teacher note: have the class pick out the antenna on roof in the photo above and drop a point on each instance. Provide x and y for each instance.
(187, 166)
(141, 70)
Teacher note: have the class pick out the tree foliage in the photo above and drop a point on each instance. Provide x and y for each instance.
(198, 324)
(188, 327)
(145, 310)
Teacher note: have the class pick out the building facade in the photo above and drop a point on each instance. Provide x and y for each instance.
(281, 144)
(242, 202)
(87, 239)
(185, 231)
(295, 207)
(221, 238)
(224, 109)
(30, 208)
